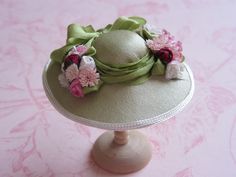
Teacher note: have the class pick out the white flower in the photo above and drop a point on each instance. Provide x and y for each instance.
(87, 61)
(72, 72)
(63, 81)
(174, 70)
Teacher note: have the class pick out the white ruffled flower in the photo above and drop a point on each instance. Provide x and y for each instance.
(63, 81)
(87, 62)
(174, 70)
(72, 72)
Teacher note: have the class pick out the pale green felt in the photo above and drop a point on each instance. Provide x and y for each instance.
(119, 47)
(120, 103)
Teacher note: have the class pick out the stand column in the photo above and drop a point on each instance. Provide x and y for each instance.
(122, 151)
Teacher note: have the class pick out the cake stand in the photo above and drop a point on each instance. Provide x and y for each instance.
(121, 149)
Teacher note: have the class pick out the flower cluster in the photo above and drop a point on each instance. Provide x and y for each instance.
(78, 71)
(165, 47)
(169, 51)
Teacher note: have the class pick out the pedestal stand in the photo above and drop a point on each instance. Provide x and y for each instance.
(122, 151)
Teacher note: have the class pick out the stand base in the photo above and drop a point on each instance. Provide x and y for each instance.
(122, 158)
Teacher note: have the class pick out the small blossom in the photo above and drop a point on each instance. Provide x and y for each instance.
(72, 72)
(63, 81)
(79, 50)
(165, 55)
(166, 41)
(174, 70)
(73, 58)
(87, 61)
(69, 60)
(88, 77)
(76, 88)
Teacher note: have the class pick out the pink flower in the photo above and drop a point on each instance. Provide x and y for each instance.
(72, 72)
(166, 41)
(88, 77)
(76, 88)
(79, 50)
(74, 56)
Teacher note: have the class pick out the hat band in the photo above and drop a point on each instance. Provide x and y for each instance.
(134, 73)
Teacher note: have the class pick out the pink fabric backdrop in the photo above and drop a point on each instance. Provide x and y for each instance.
(36, 141)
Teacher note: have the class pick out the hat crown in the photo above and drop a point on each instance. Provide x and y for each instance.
(119, 47)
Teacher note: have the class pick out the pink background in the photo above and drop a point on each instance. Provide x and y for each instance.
(36, 141)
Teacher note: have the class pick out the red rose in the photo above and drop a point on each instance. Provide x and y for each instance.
(69, 60)
(165, 55)
(74, 58)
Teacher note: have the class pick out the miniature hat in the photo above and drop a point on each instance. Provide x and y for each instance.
(124, 76)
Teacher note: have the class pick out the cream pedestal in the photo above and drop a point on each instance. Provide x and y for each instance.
(122, 151)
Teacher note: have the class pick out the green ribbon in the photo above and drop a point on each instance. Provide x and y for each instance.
(134, 73)
(127, 73)
(76, 35)
(128, 23)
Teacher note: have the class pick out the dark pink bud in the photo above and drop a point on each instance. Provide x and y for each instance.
(165, 55)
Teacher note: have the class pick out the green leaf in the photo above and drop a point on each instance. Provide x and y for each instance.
(183, 59)
(158, 68)
(147, 34)
(95, 88)
(91, 51)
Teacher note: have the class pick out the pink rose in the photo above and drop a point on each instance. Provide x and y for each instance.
(76, 88)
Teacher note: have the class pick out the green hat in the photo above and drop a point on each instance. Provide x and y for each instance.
(141, 78)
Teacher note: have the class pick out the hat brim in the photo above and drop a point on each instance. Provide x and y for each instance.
(121, 106)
